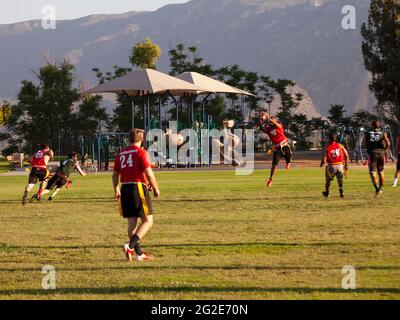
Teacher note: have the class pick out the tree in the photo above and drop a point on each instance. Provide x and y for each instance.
(381, 51)
(188, 60)
(5, 112)
(337, 115)
(145, 54)
(49, 112)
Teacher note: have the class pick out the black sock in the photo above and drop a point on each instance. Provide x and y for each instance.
(376, 188)
(138, 250)
(135, 239)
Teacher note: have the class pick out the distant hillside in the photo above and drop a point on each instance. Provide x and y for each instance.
(298, 39)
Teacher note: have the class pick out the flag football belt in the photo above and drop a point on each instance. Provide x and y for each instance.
(281, 145)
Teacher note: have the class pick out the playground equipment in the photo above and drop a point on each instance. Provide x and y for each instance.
(354, 141)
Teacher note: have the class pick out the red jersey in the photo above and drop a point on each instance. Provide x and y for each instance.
(131, 163)
(277, 135)
(335, 153)
(39, 159)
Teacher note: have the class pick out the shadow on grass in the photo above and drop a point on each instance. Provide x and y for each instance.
(200, 245)
(133, 267)
(186, 289)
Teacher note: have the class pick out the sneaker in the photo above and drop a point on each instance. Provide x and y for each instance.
(269, 183)
(34, 197)
(379, 193)
(144, 257)
(341, 194)
(50, 199)
(325, 194)
(129, 253)
(288, 165)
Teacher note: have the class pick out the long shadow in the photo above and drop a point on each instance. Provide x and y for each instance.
(202, 268)
(196, 245)
(186, 289)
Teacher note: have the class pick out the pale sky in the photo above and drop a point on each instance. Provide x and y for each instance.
(21, 10)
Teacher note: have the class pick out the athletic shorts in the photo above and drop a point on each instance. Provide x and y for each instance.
(135, 201)
(376, 162)
(280, 153)
(57, 181)
(38, 174)
(334, 170)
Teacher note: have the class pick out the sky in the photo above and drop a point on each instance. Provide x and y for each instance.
(21, 10)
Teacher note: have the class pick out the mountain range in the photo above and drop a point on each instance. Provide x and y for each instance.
(302, 40)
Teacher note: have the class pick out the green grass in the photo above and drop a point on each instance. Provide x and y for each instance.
(216, 236)
(4, 166)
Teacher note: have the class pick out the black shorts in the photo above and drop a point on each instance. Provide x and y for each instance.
(135, 201)
(38, 174)
(376, 162)
(56, 180)
(398, 162)
(280, 153)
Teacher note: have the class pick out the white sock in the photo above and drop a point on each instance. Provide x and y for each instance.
(396, 181)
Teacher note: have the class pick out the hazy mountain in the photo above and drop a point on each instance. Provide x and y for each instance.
(298, 39)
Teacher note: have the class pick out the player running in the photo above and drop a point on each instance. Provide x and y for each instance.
(39, 163)
(337, 158)
(61, 177)
(276, 133)
(133, 169)
(377, 144)
(397, 174)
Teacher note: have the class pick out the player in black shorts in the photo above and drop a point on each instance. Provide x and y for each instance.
(39, 172)
(377, 144)
(61, 177)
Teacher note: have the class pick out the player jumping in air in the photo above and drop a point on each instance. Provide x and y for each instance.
(337, 158)
(39, 163)
(377, 144)
(276, 133)
(61, 177)
(397, 174)
(133, 169)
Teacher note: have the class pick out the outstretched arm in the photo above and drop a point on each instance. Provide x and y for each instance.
(80, 171)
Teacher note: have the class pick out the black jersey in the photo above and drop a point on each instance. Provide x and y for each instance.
(375, 141)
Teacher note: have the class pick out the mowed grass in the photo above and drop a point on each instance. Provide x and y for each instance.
(216, 236)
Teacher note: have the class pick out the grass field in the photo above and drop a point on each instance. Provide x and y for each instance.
(216, 236)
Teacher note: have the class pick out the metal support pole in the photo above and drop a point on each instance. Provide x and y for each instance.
(133, 114)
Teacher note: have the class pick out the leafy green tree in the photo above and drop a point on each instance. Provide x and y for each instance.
(48, 111)
(381, 51)
(5, 112)
(188, 60)
(145, 54)
(336, 115)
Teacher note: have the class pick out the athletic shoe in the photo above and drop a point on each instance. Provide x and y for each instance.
(379, 194)
(50, 199)
(325, 194)
(34, 197)
(144, 257)
(129, 253)
(269, 183)
(341, 194)
(288, 166)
